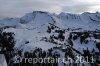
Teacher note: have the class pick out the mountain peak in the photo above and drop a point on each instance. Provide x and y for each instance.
(40, 12)
(31, 16)
(66, 20)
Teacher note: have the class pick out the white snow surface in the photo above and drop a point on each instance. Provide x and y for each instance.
(2, 60)
(33, 26)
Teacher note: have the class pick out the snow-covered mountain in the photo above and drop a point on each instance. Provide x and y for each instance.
(86, 21)
(66, 35)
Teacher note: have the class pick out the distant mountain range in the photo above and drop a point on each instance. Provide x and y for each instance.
(66, 35)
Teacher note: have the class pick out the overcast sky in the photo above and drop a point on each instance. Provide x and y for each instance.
(17, 8)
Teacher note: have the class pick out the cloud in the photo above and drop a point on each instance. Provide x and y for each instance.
(80, 8)
(10, 8)
(14, 8)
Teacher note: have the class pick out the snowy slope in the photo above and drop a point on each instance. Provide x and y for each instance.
(2, 60)
(63, 33)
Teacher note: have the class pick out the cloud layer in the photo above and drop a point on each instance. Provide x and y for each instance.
(11, 8)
